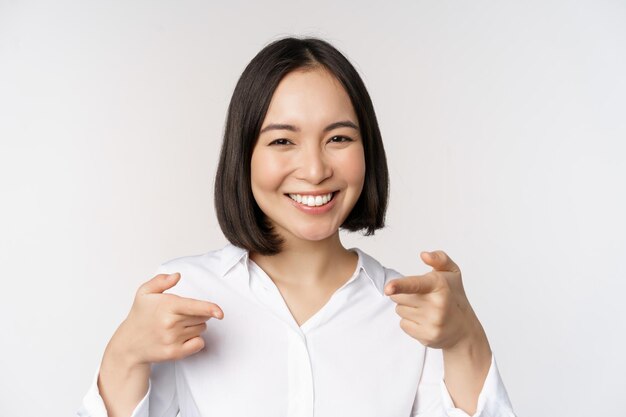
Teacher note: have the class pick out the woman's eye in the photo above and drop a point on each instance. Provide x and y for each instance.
(340, 139)
(280, 142)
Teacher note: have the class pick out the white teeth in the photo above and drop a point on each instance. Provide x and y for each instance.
(312, 201)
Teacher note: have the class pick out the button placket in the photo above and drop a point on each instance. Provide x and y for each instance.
(300, 377)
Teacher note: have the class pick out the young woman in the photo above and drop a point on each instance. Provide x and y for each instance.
(306, 327)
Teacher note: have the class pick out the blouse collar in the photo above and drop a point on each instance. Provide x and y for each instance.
(232, 255)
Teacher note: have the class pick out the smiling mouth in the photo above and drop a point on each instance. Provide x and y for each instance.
(312, 200)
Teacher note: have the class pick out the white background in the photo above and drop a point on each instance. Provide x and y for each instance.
(504, 124)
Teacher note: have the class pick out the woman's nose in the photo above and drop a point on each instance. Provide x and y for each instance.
(314, 167)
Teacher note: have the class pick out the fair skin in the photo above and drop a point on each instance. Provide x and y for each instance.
(311, 157)
(304, 159)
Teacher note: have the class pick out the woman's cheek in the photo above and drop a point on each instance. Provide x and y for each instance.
(267, 169)
(353, 165)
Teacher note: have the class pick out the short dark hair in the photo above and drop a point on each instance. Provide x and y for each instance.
(240, 218)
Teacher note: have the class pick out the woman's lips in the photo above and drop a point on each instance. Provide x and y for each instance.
(315, 209)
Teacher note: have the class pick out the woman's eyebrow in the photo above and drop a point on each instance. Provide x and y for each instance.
(335, 125)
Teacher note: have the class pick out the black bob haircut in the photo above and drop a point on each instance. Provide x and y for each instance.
(240, 218)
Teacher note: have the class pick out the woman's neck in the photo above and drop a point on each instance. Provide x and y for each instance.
(307, 264)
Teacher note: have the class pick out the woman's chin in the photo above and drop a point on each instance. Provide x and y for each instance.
(315, 235)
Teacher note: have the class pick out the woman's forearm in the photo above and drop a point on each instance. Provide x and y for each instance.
(465, 369)
(122, 384)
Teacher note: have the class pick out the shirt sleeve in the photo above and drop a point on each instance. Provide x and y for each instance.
(433, 398)
(160, 400)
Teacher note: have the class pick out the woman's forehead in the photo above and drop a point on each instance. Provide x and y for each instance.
(309, 98)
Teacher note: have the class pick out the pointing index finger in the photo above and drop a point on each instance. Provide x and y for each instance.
(421, 284)
(193, 307)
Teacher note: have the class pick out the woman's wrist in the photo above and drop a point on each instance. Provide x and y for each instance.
(118, 356)
(473, 344)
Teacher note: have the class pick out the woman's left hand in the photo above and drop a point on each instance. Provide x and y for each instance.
(434, 307)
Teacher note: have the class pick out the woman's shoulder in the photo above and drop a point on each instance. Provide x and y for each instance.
(214, 261)
(375, 269)
(202, 275)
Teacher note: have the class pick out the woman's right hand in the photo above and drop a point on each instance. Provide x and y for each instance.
(162, 327)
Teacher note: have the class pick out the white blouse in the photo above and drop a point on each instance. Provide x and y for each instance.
(350, 359)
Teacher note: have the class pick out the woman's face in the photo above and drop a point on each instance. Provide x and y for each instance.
(309, 147)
